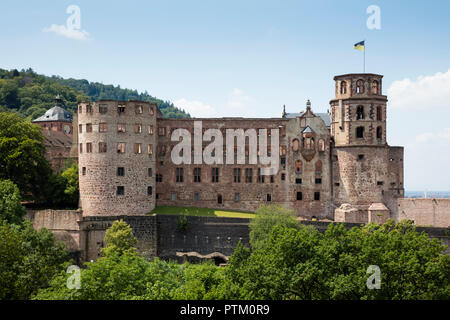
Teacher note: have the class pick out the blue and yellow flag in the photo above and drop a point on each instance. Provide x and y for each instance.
(360, 46)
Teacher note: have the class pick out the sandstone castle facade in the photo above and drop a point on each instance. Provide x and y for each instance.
(336, 165)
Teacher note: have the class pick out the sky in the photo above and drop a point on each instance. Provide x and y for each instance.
(249, 58)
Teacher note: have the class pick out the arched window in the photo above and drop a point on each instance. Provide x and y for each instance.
(360, 132)
(379, 133)
(295, 145)
(321, 145)
(319, 167)
(359, 86)
(308, 143)
(379, 116)
(360, 113)
(375, 87)
(298, 166)
(343, 87)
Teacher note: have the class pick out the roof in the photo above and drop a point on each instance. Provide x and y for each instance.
(378, 207)
(307, 130)
(56, 139)
(55, 114)
(325, 117)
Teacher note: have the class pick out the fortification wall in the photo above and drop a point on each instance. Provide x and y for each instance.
(425, 212)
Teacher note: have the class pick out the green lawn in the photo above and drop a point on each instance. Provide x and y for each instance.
(204, 212)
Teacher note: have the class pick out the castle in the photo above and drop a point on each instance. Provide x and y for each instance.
(334, 166)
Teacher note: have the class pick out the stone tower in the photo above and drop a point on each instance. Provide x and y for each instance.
(365, 170)
(116, 141)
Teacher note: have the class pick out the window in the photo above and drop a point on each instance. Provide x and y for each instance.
(88, 127)
(298, 166)
(178, 174)
(173, 197)
(260, 176)
(359, 86)
(120, 190)
(337, 184)
(318, 180)
(102, 147)
(360, 113)
(197, 175)
(379, 133)
(103, 108)
(138, 109)
(150, 149)
(380, 183)
(121, 108)
(138, 128)
(150, 129)
(159, 178)
(237, 197)
(375, 87)
(137, 148)
(248, 175)
(215, 174)
(308, 143)
(282, 150)
(152, 110)
(81, 148)
(80, 128)
(150, 172)
(379, 111)
(89, 147)
(88, 108)
(121, 127)
(283, 176)
(343, 87)
(149, 191)
(219, 199)
(196, 197)
(299, 196)
(283, 162)
(80, 109)
(298, 181)
(120, 171)
(121, 147)
(272, 179)
(318, 167)
(360, 132)
(295, 145)
(360, 156)
(102, 127)
(83, 170)
(162, 131)
(268, 197)
(316, 196)
(321, 145)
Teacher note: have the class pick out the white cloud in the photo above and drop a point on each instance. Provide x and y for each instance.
(437, 136)
(70, 33)
(195, 108)
(238, 99)
(424, 93)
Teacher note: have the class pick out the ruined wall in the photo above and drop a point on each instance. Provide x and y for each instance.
(98, 171)
(425, 212)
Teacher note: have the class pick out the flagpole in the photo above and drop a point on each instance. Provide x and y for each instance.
(364, 68)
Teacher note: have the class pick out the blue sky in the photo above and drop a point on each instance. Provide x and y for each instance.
(248, 58)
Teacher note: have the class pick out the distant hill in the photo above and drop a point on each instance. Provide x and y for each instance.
(31, 94)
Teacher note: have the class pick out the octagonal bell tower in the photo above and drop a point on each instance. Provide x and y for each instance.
(358, 112)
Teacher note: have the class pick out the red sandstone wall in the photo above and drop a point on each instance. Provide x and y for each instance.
(425, 212)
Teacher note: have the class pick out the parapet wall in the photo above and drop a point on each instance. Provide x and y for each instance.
(425, 212)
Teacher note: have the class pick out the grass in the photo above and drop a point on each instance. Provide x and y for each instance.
(201, 212)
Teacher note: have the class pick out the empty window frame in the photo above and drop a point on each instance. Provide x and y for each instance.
(214, 175)
(102, 147)
(121, 147)
(248, 175)
(102, 127)
(178, 174)
(197, 175)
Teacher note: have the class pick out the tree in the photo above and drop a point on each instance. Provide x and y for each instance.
(72, 190)
(301, 263)
(22, 155)
(29, 260)
(119, 239)
(266, 218)
(11, 210)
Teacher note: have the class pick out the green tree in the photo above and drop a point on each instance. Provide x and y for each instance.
(11, 210)
(72, 190)
(119, 239)
(22, 154)
(266, 218)
(29, 260)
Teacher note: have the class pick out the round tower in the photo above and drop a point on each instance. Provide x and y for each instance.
(116, 141)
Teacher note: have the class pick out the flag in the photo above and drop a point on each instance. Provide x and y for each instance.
(360, 46)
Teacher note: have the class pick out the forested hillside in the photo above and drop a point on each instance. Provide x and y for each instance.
(31, 94)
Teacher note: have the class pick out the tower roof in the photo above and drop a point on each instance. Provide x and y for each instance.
(57, 113)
